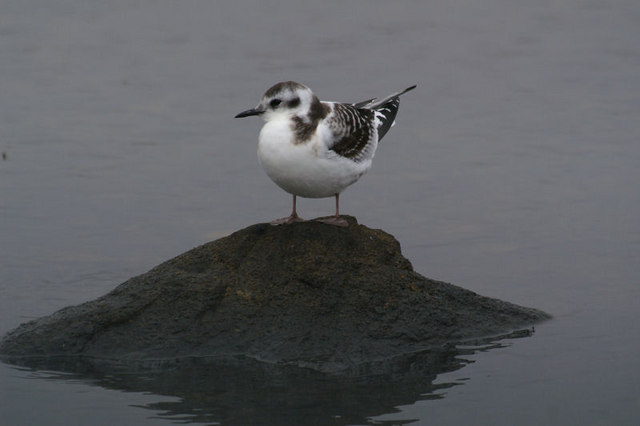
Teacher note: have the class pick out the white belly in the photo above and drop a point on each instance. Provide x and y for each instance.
(307, 169)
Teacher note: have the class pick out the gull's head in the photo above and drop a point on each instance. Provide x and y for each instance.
(286, 99)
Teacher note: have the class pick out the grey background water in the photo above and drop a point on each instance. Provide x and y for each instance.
(513, 171)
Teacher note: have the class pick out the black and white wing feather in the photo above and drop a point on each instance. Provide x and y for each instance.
(385, 110)
(354, 132)
(386, 116)
(358, 127)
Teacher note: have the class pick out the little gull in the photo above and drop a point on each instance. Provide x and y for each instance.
(316, 149)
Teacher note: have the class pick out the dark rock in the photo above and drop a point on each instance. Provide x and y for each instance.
(306, 294)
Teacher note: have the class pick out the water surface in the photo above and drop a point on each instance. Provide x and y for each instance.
(512, 171)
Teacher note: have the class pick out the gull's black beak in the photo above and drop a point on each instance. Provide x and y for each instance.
(249, 112)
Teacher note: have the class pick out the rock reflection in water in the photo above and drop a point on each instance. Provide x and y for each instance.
(241, 390)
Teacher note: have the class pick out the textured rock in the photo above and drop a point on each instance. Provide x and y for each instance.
(306, 294)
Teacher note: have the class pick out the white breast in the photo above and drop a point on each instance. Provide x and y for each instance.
(307, 169)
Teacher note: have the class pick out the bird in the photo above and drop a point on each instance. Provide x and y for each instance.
(316, 149)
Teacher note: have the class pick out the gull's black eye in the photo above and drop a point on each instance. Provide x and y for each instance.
(275, 102)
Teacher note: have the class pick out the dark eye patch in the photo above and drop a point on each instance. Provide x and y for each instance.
(275, 102)
(294, 102)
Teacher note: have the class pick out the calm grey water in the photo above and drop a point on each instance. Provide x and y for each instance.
(513, 171)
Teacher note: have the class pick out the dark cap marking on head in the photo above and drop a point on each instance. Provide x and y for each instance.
(282, 87)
